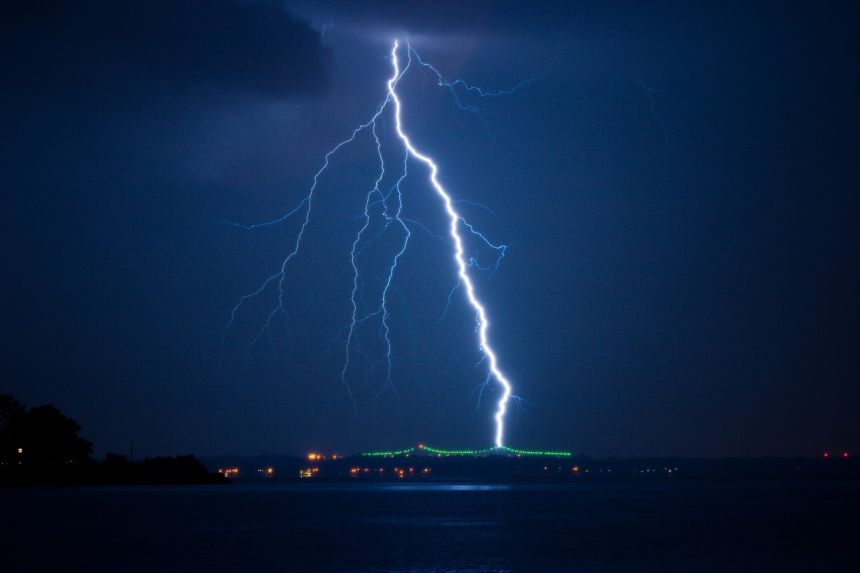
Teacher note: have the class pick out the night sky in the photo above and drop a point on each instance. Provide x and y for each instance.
(678, 188)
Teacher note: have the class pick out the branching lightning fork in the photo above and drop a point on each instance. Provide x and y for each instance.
(389, 206)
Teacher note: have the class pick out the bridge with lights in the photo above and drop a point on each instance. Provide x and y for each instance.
(497, 450)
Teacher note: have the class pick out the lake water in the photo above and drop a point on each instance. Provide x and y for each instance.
(647, 526)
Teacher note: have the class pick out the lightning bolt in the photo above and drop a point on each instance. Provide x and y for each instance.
(387, 207)
(459, 257)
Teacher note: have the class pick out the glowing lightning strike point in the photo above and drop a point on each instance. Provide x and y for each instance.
(483, 323)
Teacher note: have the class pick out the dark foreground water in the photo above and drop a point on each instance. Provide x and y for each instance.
(666, 526)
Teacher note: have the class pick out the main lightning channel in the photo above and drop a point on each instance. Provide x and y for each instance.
(462, 265)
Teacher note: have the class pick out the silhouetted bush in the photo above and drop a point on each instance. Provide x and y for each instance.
(40, 445)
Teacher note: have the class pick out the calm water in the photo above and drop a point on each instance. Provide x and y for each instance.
(764, 526)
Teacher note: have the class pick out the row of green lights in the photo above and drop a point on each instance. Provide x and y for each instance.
(442, 452)
(389, 454)
(537, 452)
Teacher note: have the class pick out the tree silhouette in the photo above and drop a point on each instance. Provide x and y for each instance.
(40, 436)
(11, 411)
(40, 445)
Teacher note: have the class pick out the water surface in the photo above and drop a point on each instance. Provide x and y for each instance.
(653, 526)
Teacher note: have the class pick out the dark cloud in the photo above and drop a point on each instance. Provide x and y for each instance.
(509, 19)
(106, 47)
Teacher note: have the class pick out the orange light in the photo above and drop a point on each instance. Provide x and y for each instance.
(575, 469)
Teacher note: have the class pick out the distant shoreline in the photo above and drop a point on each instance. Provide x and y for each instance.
(535, 469)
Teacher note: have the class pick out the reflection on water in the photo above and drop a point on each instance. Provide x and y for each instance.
(437, 487)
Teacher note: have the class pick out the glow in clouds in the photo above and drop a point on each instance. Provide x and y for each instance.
(389, 205)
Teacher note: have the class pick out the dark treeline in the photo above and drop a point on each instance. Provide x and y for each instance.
(40, 445)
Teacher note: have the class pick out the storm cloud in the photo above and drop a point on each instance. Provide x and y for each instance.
(106, 48)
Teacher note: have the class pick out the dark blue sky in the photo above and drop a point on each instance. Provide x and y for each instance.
(678, 191)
